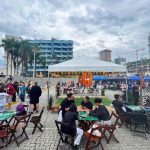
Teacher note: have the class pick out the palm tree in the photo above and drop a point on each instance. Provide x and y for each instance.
(16, 57)
(43, 63)
(19, 52)
(9, 47)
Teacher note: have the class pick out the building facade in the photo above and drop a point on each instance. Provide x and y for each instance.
(105, 55)
(120, 61)
(52, 51)
(136, 67)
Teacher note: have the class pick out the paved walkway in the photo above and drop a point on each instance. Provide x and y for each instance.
(49, 139)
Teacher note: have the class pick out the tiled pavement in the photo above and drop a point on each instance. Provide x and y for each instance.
(49, 139)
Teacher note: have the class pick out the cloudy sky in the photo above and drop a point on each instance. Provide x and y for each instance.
(120, 25)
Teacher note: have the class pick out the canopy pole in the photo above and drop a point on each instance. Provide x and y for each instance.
(48, 96)
(126, 85)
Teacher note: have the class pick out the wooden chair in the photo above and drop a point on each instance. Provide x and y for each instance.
(122, 117)
(4, 132)
(19, 124)
(36, 120)
(110, 129)
(92, 138)
(62, 134)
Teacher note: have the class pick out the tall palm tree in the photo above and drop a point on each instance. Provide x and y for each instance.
(8, 45)
(43, 63)
(16, 57)
(26, 54)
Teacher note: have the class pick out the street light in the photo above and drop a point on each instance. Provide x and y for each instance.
(34, 67)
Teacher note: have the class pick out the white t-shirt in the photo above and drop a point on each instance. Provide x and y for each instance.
(3, 101)
(3, 97)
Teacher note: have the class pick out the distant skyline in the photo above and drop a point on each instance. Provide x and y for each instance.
(122, 26)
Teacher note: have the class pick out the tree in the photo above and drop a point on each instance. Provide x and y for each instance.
(19, 52)
(43, 63)
(9, 47)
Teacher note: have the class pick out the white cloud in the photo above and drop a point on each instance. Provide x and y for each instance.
(121, 26)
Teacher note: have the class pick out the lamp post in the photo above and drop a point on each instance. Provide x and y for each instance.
(126, 82)
(34, 67)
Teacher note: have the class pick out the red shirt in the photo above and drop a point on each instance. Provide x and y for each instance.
(10, 89)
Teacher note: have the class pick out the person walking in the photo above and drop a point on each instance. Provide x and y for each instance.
(22, 92)
(10, 91)
(35, 93)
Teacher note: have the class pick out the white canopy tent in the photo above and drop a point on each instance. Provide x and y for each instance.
(86, 63)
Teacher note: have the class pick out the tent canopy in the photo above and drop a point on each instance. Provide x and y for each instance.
(86, 63)
(99, 78)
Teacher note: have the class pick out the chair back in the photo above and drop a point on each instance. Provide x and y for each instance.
(59, 125)
(41, 113)
(101, 129)
(118, 111)
(21, 122)
(116, 121)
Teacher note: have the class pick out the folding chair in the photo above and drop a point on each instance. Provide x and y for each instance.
(62, 134)
(110, 129)
(138, 119)
(122, 117)
(92, 138)
(19, 124)
(36, 120)
(4, 132)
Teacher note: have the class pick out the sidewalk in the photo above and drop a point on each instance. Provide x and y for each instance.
(49, 138)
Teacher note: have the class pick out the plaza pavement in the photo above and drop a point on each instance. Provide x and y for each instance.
(48, 140)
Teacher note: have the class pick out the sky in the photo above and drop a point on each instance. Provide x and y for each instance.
(122, 26)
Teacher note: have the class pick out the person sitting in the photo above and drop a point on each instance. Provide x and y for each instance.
(100, 111)
(86, 104)
(119, 105)
(66, 103)
(20, 110)
(70, 118)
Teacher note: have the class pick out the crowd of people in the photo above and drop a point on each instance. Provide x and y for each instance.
(19, 91)
(68, 113)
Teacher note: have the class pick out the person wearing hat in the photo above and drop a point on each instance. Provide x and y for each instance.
(70, 118)
(100, 111)
(86, 104)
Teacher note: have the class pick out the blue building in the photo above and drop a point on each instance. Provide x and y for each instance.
(51, 51)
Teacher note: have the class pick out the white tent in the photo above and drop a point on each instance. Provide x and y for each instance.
(86, 63)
